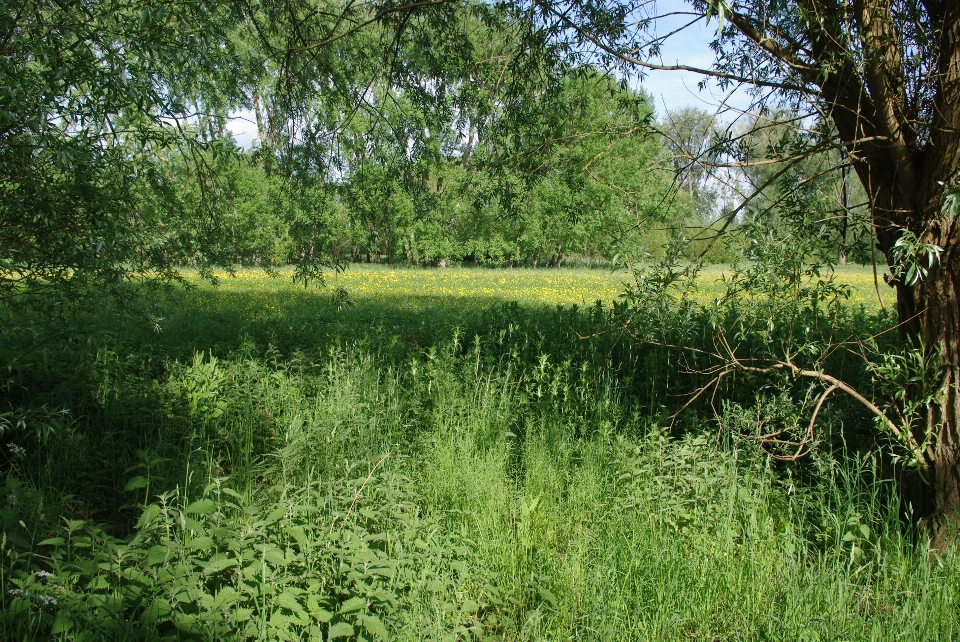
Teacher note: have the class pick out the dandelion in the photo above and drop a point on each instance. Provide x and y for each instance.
(256, 294)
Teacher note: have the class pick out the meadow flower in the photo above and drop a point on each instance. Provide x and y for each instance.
(259, 294)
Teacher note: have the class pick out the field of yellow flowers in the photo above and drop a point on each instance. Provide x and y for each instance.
(410, 287)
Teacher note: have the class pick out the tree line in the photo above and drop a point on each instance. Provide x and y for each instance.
(615, 182)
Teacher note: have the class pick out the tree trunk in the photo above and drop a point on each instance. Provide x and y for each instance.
(929, 316)
(935, 490)
(905, 181)
(904, 155)
(261, 119)
(842, 251)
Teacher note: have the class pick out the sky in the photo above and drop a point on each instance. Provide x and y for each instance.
(243, 126)
(670, 90)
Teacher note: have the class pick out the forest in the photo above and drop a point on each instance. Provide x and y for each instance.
(472, 339)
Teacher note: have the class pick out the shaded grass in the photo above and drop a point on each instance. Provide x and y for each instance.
(269, 468)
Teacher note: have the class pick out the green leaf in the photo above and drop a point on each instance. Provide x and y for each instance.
(201, 543)
(275, 515)
(158, 555)
(353, 604)
(274, 556)
(318, 612)
(289, 601)
(149, 514)
(298, 534)
(226, 595)
(53, 541)
(137, 482)
(194, 526)
(340, 630)
(62, 623)
(201, 507)
(219, 565)
(231, 493)
(375, 627)
(548, 596)
(157, 609)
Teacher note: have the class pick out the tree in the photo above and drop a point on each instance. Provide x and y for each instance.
(690, 135)
(833, 199)
(601, 177)
(92, 95)
(886, 75)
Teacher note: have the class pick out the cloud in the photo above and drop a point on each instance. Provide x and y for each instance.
(243, 126)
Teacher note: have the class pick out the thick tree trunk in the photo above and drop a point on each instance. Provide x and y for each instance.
(929, 316)
(937, 487)
(906, 181)
(904, 154)
(844, 224)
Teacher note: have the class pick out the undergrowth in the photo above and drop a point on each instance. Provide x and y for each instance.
(365, 475)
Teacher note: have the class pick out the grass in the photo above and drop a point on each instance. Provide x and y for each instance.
(583, 287)
(432, 463)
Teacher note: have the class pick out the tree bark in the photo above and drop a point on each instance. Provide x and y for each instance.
(845, 205)
(928, 313)
(935, 301)
(934, 490)
(903, 158)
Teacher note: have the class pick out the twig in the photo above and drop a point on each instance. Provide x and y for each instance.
(358, 493)
(730, 363)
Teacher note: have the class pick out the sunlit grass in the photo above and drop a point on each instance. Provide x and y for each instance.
(412, 288)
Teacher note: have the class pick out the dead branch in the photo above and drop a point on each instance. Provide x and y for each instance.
(729, 363)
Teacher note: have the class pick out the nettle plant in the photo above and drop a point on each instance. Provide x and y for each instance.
(333, 559)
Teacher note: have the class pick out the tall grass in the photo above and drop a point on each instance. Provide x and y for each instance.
(313, 475)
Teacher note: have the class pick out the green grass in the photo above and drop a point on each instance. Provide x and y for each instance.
(412, 287)
(268, 467)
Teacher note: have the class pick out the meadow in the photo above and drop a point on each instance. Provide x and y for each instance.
(533, 287)
(446, 454)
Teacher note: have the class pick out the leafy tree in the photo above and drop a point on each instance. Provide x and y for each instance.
(690, 133)
(92, 95)
(583, 176)
(780, 175)
(230, 209)
(886, 75)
